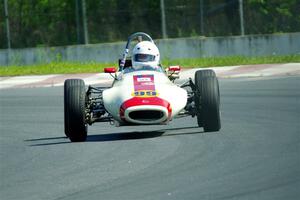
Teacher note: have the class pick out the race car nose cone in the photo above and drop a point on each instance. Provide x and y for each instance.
(145, 110)
(146, 114)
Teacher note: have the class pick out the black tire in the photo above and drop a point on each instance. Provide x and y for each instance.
(199, 75)
(66, 117)
(74, 106)
(205, 73)
(207, 100)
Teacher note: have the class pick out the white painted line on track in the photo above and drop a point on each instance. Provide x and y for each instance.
(185, 74)
(289, 68)
(9, 82)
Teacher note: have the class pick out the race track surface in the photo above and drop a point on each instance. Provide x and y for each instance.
(256, 155)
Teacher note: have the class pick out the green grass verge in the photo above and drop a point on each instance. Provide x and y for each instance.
(93, 67)
(232, 60)
(54, 68)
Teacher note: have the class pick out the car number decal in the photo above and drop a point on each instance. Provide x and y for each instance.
(144, 86)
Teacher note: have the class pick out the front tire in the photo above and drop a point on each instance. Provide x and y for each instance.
(74, 107)
(207, 100)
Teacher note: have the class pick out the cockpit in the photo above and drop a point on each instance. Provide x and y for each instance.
(143, 68)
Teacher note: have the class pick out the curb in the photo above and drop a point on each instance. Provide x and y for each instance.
(102, 78)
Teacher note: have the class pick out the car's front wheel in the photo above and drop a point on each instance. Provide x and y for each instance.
(74, 108)
(207, 100)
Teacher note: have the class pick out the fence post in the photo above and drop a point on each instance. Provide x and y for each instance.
(7, 24)
(7, 32)
(201, 17)
(84, 23)
(77, 21)
(241, 17)
(163, 19)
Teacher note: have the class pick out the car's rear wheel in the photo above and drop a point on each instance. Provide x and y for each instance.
(205, 73)
(207, 100)
(66, 117)
(74, 107)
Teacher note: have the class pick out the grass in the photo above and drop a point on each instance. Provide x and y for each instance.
(232, 60)
(54, 68)
(93, 67)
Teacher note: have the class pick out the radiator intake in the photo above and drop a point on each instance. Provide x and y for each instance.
(146, 115)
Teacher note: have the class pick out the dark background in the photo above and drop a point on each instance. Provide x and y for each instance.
(36, 23)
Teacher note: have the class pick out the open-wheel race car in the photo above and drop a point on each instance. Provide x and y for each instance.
(142, 93)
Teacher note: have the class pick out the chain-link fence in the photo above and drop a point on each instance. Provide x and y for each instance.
(61, 22)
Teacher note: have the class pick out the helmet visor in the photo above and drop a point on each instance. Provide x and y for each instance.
(144, 58)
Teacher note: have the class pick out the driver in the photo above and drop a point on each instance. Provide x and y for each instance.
(145, 54)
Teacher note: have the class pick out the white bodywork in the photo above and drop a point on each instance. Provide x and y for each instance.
(134, 95)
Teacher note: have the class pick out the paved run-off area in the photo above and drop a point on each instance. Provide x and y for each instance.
(254, 156)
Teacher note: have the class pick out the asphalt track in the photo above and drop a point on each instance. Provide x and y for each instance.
(256, 155)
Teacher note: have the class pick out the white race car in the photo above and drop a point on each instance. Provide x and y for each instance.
(143, 93)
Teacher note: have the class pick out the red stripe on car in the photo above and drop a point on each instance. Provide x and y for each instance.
(139, 101)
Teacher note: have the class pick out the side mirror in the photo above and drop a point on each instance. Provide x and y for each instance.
(173, 72)
(110, 70)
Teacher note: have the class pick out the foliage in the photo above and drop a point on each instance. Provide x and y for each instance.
(53, 22)
(92, 67)
(273, 16)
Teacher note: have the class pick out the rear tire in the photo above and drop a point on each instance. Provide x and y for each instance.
(74, 106)
(207, 100)
(205, 73)
(66, 117)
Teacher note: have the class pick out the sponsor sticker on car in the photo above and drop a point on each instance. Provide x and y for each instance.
(144, 86)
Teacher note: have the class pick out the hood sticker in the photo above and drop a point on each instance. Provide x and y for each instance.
(144, 86)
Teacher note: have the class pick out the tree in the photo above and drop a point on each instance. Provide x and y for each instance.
(53, 22)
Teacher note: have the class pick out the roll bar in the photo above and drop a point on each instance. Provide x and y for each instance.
(130, 38)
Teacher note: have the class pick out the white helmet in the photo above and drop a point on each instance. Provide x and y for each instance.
(145, 53)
